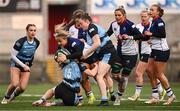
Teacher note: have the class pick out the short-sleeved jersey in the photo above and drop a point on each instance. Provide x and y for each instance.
(72, 43)
(26, 50)
(144, 46)
(77, 33)
(81, 34)
(158, 31)
(72, 75)
(73, 31)
(128, 47)
(94, 29)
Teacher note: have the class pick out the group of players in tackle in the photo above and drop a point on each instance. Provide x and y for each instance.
(85, 49)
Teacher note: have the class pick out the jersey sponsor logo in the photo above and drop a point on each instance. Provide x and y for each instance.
(160, 24)
(73, 44)
(92, 29)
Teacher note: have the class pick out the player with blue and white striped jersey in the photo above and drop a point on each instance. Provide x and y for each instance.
(159, 55)
(102, 47)
(22, 56)
(77, 32)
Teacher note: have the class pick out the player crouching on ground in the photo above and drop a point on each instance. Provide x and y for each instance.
(67, 90)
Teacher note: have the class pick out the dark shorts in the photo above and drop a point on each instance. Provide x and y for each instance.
(129, 61)
(161, 56)
(108, 54)
(14, 64)
(144, 57)
(91, 59)
(68, 97)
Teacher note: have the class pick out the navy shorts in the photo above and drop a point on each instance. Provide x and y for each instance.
(144, 57)
(68, 96)
(14, 64)
(161, 56)
(91, 59)
(129, 61)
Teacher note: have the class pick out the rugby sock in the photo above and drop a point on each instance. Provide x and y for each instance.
(111, 90)
(120, 93)
(6, 96)
(17, 92)
(9, 92)
(89, 93)
(159, 87)
(125, 82)
(43, 99)
(104, 98)
(138, 89)
(80, 97)
(155, 93)
(169, 92)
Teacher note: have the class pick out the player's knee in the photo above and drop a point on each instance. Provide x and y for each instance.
(99, 77)
(138, 74)
(126, 71)
(116, 68)
(15, 84)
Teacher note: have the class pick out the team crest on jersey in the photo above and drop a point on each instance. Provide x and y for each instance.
(18, 44)
(91, 30)
(115, 29)
(160, 24)
(133, 26)
(124, 28)
(127, 61)
(73, 44)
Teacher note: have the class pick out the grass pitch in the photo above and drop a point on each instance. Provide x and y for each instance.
(34, 91)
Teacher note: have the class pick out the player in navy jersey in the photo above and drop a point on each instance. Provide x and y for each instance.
(73, 45)
(159, 55)
(22, 56)
(77, 32)
(102, 47)
(76, 47)
(126, 49)
(144, 52)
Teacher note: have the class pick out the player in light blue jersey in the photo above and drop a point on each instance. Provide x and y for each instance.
(68, 89)
(22, 56)
(102, 48)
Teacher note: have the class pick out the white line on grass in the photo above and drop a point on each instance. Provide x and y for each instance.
(39, 95)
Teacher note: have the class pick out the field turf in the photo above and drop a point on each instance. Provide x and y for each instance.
(34, 91)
